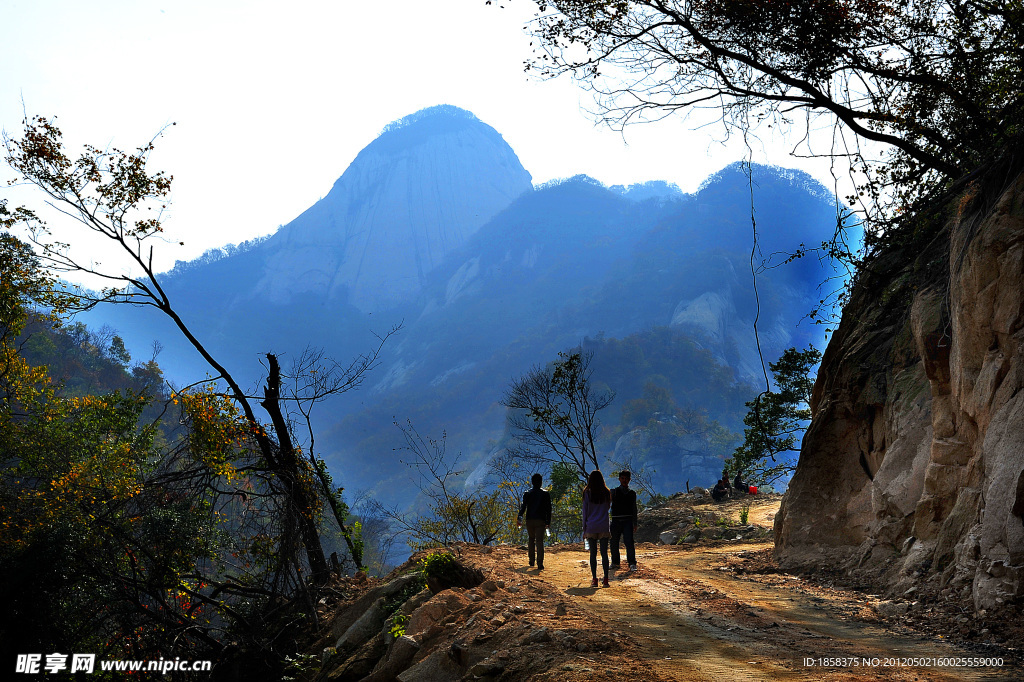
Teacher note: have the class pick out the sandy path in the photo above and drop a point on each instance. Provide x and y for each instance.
(697, 621)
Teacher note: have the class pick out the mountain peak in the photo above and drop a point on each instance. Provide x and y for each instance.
(410, 197)
(418, 128)
(440, 113)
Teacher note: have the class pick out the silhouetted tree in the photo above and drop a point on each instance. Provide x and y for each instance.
(553, 412)
(112, 195)
(776, 418)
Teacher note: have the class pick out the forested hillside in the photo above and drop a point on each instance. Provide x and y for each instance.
(135, 522)
(82, 361)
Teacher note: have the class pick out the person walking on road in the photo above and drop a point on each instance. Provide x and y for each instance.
(537, 507)
(624, 521)
(596, 502)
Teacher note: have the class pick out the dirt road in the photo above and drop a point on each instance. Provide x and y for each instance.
(705, 613)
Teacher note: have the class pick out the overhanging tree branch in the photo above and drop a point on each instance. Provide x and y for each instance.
(936, 82)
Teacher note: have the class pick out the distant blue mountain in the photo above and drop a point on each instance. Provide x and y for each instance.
(409, 198)
(436, 225)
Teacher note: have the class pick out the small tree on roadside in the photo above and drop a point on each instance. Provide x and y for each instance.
(566, 500)
(452, 513)
(776, 418)
(553, 413)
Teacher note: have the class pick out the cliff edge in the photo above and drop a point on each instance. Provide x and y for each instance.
(911, 474)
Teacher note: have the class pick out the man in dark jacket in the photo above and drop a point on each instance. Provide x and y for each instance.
(537, 507)
(624, 520)
(721, 490)
(740, 484)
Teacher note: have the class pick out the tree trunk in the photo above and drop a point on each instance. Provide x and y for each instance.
(287, 464)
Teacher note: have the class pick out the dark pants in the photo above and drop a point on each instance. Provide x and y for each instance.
(593, 556)
(623, 528)
(535, 540)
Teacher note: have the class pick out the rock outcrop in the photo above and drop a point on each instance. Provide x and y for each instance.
(715, 321)
(912, 470)
(510, 626)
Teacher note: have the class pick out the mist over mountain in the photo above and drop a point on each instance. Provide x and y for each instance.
(576, 263)
(436, 225)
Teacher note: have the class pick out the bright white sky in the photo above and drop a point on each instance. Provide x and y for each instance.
(273, 100)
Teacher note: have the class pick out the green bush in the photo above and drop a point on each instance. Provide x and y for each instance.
(440, 565)
(398, 624)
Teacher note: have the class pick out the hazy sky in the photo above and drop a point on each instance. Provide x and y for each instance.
(273, 100)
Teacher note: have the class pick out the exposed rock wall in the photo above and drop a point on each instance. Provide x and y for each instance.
(713, 319)
(912, 470)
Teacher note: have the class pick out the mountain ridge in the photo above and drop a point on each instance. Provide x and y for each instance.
(555, 265)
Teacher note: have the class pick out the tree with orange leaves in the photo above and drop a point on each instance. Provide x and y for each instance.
(113, 195)
(147, 550)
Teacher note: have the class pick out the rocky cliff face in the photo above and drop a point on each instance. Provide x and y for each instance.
(410, 197)
(912, 470)
(713, 319)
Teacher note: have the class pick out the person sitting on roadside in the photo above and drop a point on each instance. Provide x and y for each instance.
(721, 489)
(739, 483)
